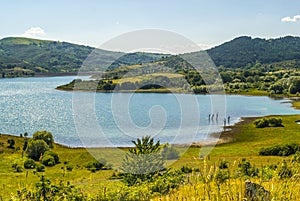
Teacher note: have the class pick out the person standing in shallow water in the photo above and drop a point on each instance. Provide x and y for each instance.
(228, 120)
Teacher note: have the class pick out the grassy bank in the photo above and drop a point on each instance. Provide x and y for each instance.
(246, 141)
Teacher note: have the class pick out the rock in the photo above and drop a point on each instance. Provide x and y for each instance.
(256, 192)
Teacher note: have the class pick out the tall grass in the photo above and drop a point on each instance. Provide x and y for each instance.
(208, 185)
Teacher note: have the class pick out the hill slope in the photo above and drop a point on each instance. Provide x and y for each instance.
(26, 56)
(244, 51)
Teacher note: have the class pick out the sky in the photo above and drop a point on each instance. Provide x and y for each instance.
(93, 22)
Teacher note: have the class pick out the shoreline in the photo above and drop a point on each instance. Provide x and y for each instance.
(228, 134)
(223, 137)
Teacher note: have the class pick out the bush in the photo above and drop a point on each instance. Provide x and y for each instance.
(48, 160)
(224, 164)
(280, 150)
(273, 122)
(54, 155)
(143, 161)
(186, 169)
(36, 148)
(11, 143)
(40, 167)
(69, 167)
(222, 176)
(247, 169)
(44, 135)
(46, 190)
(17, 167)
(96, 165)
(261, 123)
(29, 164)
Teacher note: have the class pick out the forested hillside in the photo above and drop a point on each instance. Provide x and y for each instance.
(25, 57)
(246, 51)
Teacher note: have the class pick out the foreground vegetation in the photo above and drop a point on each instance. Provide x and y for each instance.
(219, 176)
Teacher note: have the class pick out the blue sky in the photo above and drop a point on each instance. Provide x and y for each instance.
(93, 22)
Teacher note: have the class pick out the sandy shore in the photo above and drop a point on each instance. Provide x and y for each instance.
(227, 135)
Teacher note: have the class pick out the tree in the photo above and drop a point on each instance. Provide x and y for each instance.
(295, 86)
(143, 161)
(36, 149)
(44, 135)
(11, 143)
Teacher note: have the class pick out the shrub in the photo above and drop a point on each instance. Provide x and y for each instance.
(222, 175)
(46, 190)
(36, 148)
(186, 169)
(17, 167)
(223, 164)
(54, 155)
(280, 150)
(163, 183)
(11, 143)
(261, 123)
(48, 160)
(44, 135)
(143, 161)
(247, 169)
(273, 122)
(40, 167)
(96, 165)
(69, 167)
(29, 164)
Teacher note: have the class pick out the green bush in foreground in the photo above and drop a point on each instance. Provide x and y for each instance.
(270, 122)
(280, 150)
(143, 161)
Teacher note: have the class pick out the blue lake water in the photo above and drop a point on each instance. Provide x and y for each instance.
(114, 119)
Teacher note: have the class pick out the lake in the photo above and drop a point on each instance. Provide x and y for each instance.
(114, 119)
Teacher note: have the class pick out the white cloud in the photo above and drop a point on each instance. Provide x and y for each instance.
(34, 32)
(291, 19)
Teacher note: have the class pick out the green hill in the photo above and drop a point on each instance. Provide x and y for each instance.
(26, 56)
(246, 51)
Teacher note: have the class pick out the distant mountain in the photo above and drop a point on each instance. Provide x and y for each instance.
(243, 51)
(26, 56)
(41, 55)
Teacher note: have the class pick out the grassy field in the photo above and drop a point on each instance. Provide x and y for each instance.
(246, 141)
